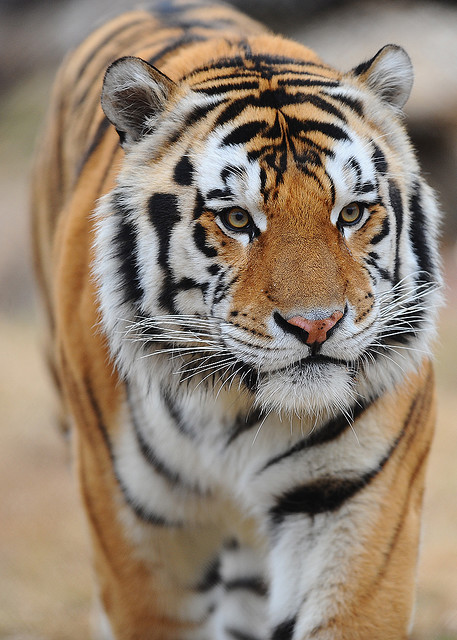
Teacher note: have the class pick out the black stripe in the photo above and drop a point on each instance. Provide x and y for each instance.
(236, 634)
(379, 160)
(332, 188)
(159, 465)
(323, 104)
(244, 423)
(364, 66)
(125, 243)
(352, 103)
(233, 109)
(299, 128)
(327, 494)
(185, 284)
(276, 59)
(210, 25)
(99, 134)
(373, 260)
(220, 194)
(223, 285)
(197, 114)
(164, 214)
(418, 235)
(199, 235)
(184, 172)
(199, 205)
(184, 41)
(254, 584)
(397, 206)
(308, 171)
(175, 414)
(277, 160)
(366, 187)
(244, 133)
(305, 82)
(308, 157)
(275, 131)
(237, 64)
(211, 577)
(238, 74)
(228, 87)
(355, 165)
(248, 376)
(322, 496)
(330, 431)
(284, 630)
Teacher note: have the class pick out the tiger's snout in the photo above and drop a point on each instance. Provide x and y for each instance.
(311, 331)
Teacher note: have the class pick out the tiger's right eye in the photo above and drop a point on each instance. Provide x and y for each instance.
(351, 213)
(236, 219)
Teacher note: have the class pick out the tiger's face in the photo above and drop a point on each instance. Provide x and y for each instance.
(263, 232)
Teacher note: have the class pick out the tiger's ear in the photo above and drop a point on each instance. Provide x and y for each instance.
(134, 93)
(389, 74)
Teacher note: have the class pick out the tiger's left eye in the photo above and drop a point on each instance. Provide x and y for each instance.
(236, 219)
(351, 213)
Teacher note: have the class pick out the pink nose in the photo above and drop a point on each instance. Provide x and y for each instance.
(316, 329)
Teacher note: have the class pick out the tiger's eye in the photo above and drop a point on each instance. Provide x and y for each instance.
(237, 218)
(351, 213)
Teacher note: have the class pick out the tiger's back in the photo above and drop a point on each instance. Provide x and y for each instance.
(236, 295)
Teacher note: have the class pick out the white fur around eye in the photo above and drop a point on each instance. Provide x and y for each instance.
(243, 180)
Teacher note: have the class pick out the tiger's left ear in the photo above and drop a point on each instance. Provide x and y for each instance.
(389, 74)
(134, 93)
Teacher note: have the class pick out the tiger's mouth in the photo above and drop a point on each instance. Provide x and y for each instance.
(314, 363)
(318, 359)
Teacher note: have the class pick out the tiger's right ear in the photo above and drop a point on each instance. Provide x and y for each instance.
(134, 93)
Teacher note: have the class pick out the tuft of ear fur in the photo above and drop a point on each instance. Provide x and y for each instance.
(389, 74)
(134, 93)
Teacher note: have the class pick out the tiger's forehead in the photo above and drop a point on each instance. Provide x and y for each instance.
(266, 143)
(258, 58)
(270, 115)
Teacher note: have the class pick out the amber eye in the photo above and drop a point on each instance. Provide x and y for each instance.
(236, 219)
(351, 213)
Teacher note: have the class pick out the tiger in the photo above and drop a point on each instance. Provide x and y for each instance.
(238, 261)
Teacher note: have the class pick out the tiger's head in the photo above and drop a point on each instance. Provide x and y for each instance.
(269, 227)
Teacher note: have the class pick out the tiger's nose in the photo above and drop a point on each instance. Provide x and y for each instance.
(317, 330)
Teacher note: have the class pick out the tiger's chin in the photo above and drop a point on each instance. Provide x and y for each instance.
(308, 388)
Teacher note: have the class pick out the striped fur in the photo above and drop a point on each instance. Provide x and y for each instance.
(241, 480)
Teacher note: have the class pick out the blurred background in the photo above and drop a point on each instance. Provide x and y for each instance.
(45, 575)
